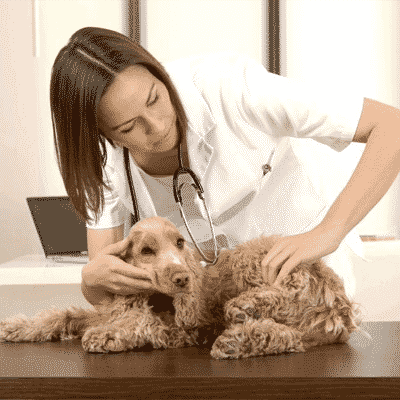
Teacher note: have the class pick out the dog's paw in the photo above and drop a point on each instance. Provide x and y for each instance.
(14, 330)
(10, 332)
(226, 347)
(234, 342)
(239, 310)
(257, 338)
(103, 340)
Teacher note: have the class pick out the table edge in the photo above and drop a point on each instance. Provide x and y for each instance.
(210, 388)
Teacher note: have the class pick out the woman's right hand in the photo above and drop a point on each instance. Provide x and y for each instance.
(106, 274)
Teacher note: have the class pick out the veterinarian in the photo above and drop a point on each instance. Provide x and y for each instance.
(240, 129)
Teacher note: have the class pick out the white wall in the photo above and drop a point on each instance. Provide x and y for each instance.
(174, 29)
(356, 44)
(27, 158)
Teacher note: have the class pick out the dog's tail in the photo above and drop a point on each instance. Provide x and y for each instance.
(50, 325)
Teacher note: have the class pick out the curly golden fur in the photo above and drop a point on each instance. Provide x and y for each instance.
(228, 305)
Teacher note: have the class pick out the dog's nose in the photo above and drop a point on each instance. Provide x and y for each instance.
(180, 279)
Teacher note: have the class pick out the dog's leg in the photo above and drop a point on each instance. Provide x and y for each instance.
(318, 323)
(260, 303)
(48, 325)
(133, 329)
(256, 338)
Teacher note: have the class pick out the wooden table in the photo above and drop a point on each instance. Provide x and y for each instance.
(358, 369)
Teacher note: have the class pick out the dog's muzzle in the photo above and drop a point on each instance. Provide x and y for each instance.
(176, 278)
(180, 279)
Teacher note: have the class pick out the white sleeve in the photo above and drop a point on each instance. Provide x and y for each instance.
(285, 107)
(114, 212)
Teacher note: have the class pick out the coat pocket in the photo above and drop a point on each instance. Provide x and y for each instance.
(287, 202)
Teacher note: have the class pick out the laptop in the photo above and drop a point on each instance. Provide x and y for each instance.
(61, 230)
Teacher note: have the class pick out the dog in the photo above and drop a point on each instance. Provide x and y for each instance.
(227, 306)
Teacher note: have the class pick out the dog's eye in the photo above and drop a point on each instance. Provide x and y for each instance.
(147, 250)
(180, 242)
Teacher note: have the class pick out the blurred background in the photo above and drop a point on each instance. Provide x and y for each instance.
(353, 43)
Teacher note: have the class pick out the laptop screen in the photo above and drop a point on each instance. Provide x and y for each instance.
(60, 229)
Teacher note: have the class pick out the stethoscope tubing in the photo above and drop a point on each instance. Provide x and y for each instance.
(178, 199)
(133, 193)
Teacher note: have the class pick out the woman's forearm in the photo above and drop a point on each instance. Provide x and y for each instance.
(375, 173)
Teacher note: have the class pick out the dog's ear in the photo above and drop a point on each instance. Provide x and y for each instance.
(128, 255)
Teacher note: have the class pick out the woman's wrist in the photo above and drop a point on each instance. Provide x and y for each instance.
(96, 296)
(334, 228)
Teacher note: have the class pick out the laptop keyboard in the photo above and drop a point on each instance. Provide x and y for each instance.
(72, 259)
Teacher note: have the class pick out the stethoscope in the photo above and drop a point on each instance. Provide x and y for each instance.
(178, 199)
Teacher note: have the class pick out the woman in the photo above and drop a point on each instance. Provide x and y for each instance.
(233, 121)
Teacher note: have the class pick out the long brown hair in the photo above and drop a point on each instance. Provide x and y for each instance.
(81, 74)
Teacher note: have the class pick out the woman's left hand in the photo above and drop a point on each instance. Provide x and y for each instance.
(291, 251)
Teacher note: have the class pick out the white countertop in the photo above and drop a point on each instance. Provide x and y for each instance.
(35, 269)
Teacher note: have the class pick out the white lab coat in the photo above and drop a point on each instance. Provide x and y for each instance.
(240, 118)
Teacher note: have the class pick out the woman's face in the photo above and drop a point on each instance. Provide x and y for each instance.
(136, 112)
